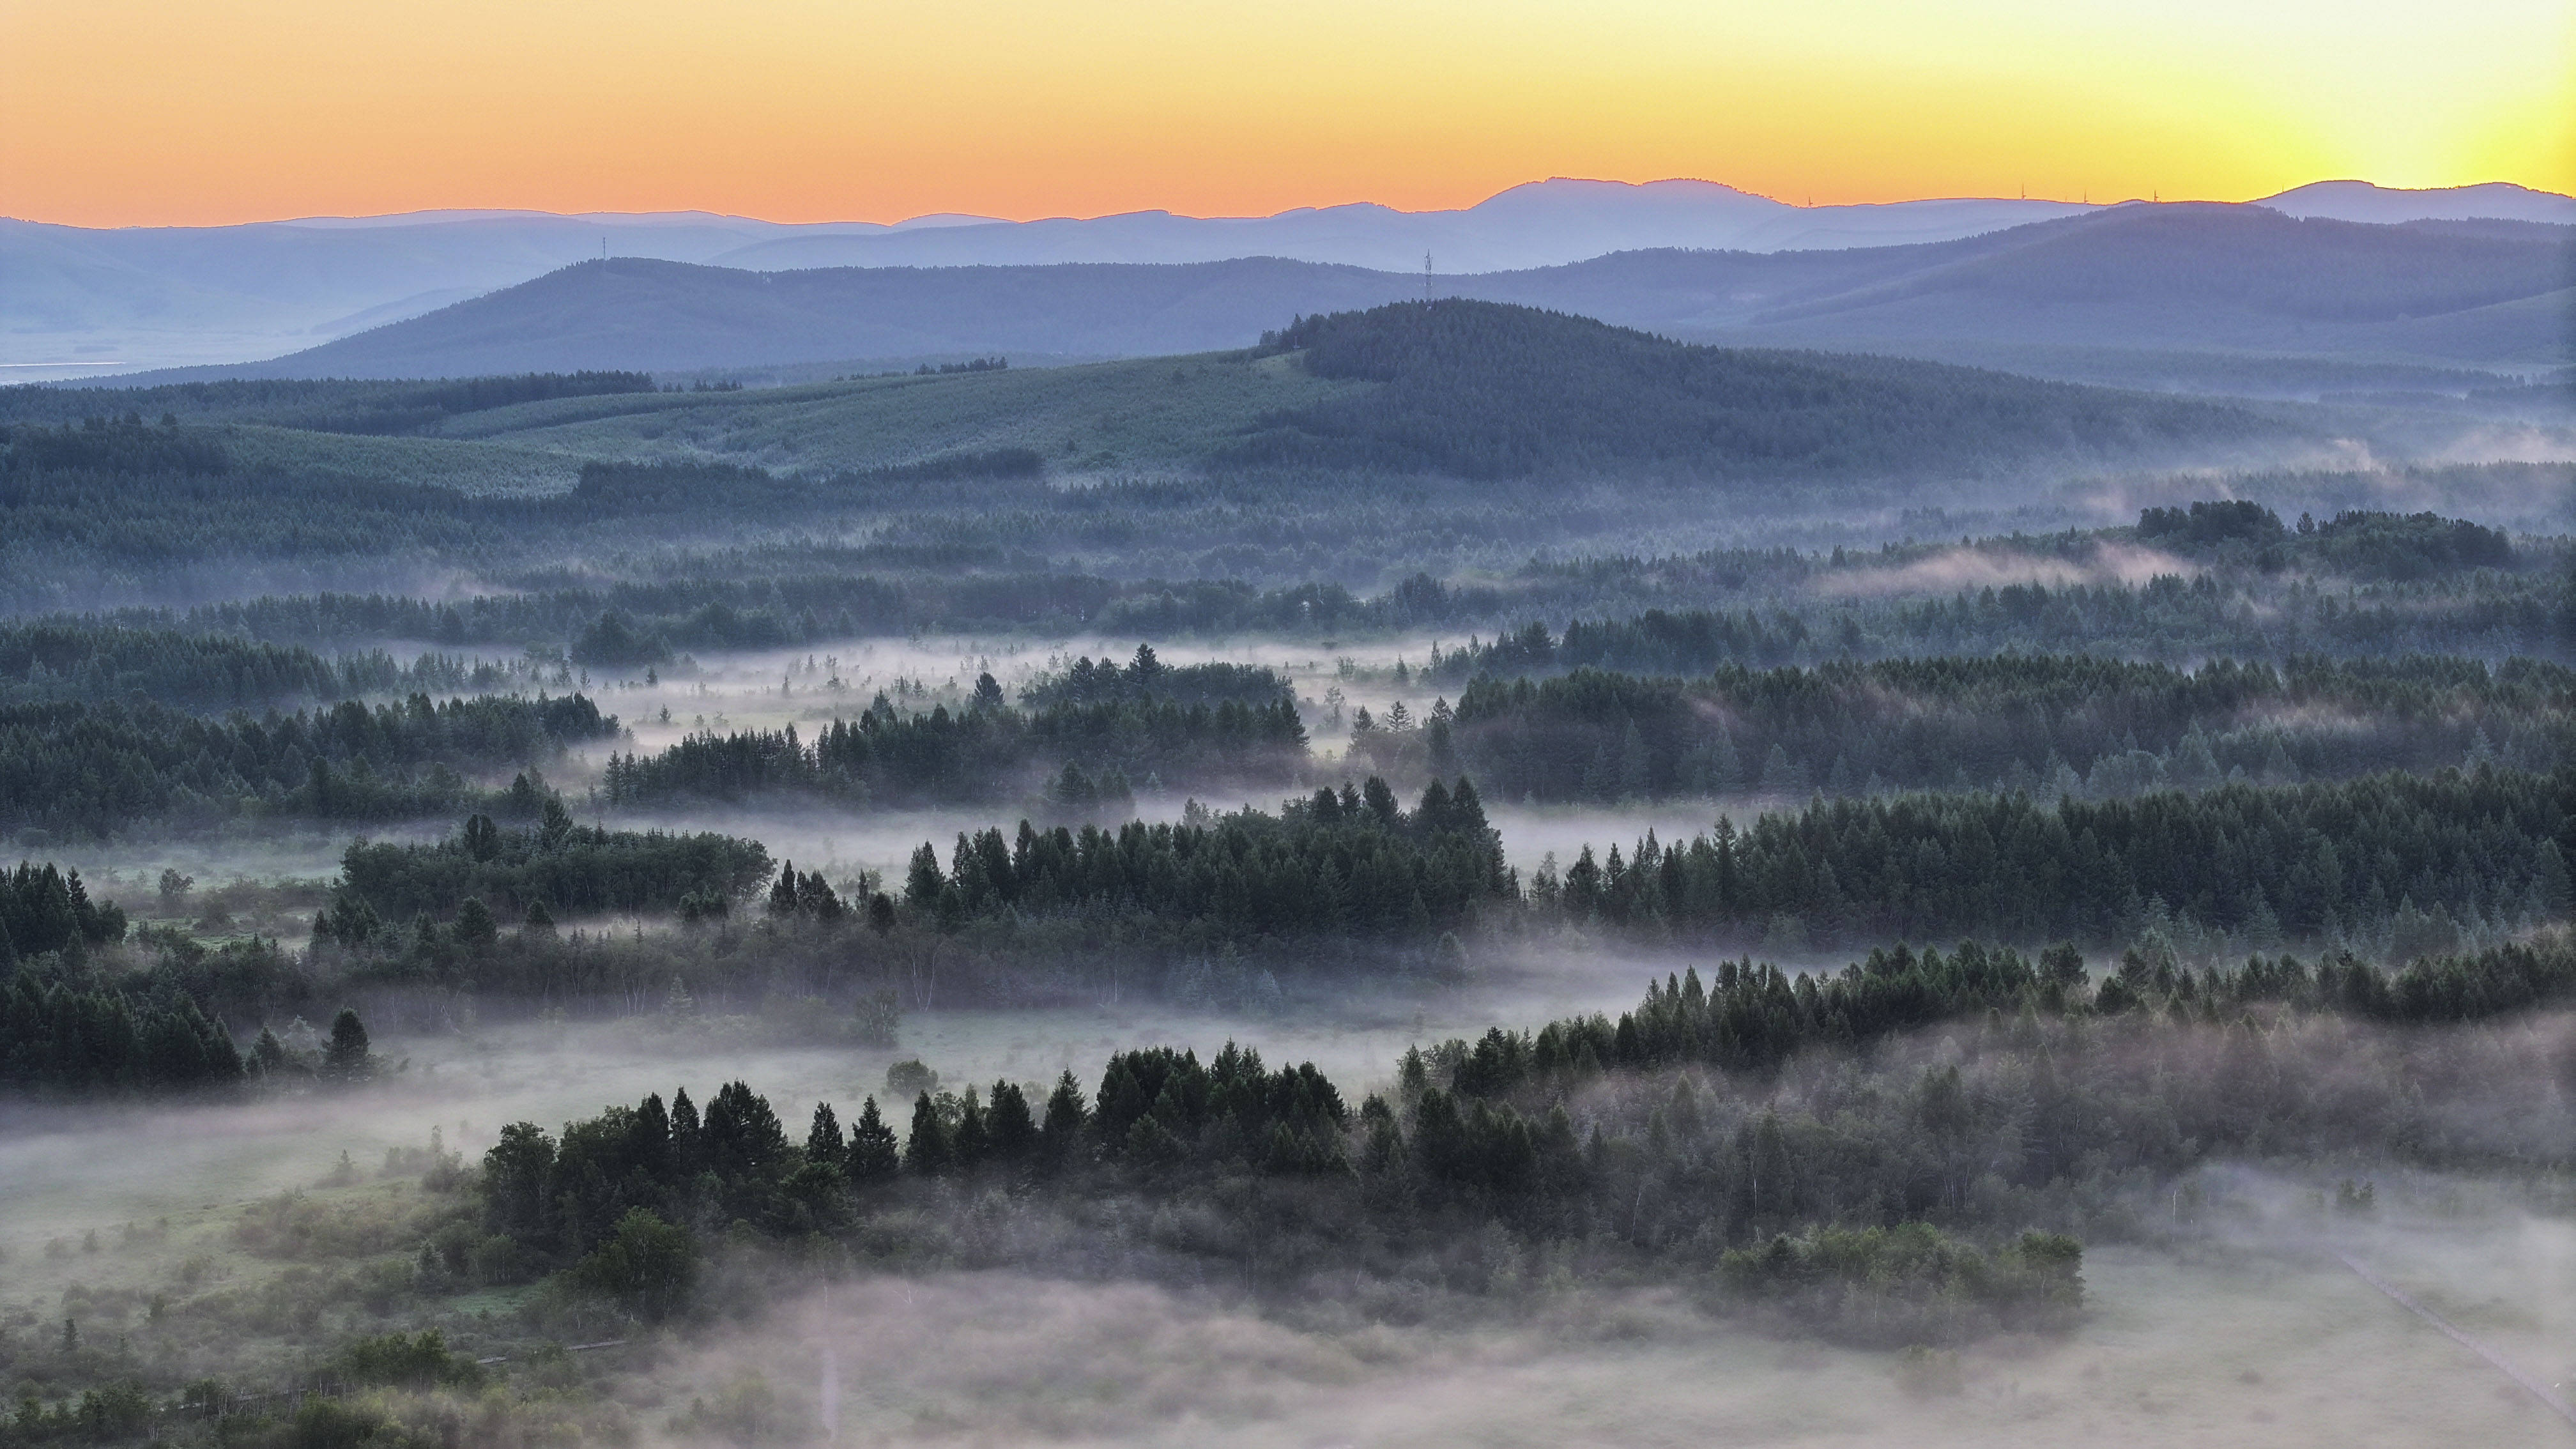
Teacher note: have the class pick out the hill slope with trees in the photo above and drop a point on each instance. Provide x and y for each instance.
(1485, 390)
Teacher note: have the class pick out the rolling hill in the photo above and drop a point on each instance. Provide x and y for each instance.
(1456, 387)
(74, 298)
(1483, 390)
(676, 317)
(79, 297)
(2221, 281)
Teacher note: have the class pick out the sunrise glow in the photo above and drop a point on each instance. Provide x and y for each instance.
(122, 112)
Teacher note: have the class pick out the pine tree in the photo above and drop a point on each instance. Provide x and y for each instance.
(475, 929)
(925, 1151)
(1067, 1120)
(823, 1140)
(922, 882)
(346, 1059)
(968, 1144)
(872, 1155)
(1009, 1130)
(687, 1147)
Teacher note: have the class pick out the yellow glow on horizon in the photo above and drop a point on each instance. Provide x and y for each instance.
(123, 112)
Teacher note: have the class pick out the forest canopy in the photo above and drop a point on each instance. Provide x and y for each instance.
(1489, 390)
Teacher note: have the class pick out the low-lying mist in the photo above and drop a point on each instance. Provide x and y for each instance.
(2206, 1345)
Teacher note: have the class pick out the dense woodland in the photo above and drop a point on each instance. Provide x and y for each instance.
(2050, 724)
(1077, 754)
(47, 909)
(2482, 852)
(1350, 864)
(210, 671)
(1311, 552)
(549, 867)
(89, 771)
(1484, 390)
(617, 1202)
(2220, 806)
(1682, 1133)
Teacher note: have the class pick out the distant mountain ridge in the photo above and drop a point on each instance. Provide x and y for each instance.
(2184, 277)
(76, 299)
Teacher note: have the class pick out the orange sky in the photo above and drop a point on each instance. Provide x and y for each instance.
(122, 112)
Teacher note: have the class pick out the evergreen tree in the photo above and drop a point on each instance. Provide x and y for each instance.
(1067, 1121)
(872, 1156)
(346, 1058)
(823, 1140)
(925, 1151)
(1010, 1131)
(969, 1143)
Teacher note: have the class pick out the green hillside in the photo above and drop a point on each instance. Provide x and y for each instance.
(1471, 389)
(1168, 413)
(1486, 390)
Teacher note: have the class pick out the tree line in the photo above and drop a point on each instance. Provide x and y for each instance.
(1754, 1017)
(44, 908)
(2306, 861)
(200, 670)
(1351, 863)
(983, 752)
(2395, 864)
(1146, 678)
(625, 1205)
(634, 623)
(2356, 543)
(59, 1038)
(91, 770)
(2050, 724)
(553, 866)
(328, 405)
(2168, 619)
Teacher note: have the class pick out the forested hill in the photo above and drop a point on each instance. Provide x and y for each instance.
(1486, 390)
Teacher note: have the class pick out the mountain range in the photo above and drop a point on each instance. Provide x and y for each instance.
(77, 300)
(2179, 280)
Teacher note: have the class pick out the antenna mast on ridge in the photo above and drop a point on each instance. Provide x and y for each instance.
(1426, 276)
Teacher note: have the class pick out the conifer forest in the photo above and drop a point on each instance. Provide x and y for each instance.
(1458, 850)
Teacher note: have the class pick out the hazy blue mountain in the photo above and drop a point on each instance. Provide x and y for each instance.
(675, 317)
(1545, 223)
(76, 299)
(2361, 201)
(2175, 279)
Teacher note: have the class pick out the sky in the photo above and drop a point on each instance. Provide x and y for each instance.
(191, 112)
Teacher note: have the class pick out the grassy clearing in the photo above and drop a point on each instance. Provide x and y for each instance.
(1110, 417)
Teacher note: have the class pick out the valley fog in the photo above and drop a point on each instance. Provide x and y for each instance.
(1960, 837)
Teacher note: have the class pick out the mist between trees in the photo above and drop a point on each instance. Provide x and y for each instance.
(1165, 558)
(212, 671)
(2050, 725)
(89, 771)
(1256, 911)
(1081, 755)
(1905, 1179)
(1909, 1154)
